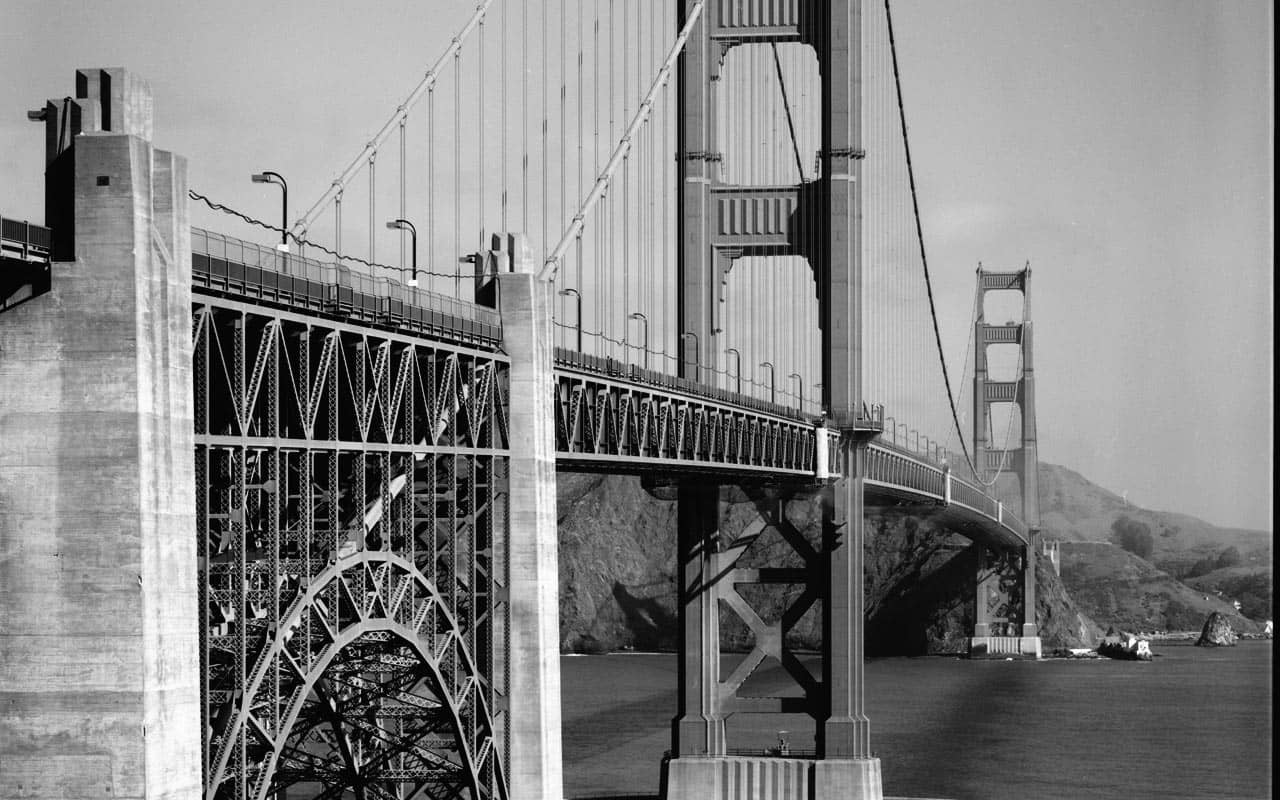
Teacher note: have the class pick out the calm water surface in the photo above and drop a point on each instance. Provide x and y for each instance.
(1193, 723)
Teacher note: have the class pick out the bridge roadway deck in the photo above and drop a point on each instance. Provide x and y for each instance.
(610, 416)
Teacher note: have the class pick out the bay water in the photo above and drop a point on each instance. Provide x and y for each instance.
(1192, 723)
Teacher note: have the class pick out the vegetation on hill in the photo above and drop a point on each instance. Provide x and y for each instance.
(1121, 589)
(1224, 563)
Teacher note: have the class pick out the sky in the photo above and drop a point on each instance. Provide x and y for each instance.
(1122, 148)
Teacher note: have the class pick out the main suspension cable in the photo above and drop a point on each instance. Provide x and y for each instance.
(915, 205)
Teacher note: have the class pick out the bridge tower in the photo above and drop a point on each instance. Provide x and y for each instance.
(992, 633)
(819, 219)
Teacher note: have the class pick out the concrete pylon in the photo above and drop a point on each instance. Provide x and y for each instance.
(99, 658)
(533, 654)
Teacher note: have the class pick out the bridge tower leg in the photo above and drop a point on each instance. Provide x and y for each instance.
(99, 656)
(826, 229)
(1006, 636)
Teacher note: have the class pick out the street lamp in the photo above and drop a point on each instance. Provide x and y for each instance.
(737, 366)
(773, 389)
(268, 176)
(800, 387)
(578, 318)
(645, 345)
(697, 356)
(406, 225)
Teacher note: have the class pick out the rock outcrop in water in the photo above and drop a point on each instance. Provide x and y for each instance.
(1217, 632)
(1124, 646)
(618, 568)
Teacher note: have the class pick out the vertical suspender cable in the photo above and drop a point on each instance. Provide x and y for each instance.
(626, 173)
(578, 115)
(544, 178)
(502, 125)
(431, 177)
(480, 153)
(457, 173)
(402, 209)
(524, 117)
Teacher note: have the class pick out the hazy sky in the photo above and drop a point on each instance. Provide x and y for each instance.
(1123, 148)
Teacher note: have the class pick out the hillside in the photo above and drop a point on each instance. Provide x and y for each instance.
(1074, 509)
(1115, 586)
(1190, 559)
(618, 566)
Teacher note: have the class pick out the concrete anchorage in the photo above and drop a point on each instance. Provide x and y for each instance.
(994, 635)
(99, 659)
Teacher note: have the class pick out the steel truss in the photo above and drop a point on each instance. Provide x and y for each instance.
(999, 581)
(351, 512)
(609, 424)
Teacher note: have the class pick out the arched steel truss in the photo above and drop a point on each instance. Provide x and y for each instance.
(351, 507)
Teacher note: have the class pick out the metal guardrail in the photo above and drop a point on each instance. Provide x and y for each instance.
(25, 253)
(236, 267)
(22, 240)
(899, 470)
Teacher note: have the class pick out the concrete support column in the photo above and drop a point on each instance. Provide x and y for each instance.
(1029, 585)
(698, 729)
(99, 618)
(846, 768)
(846, 732)
(987, 581)
(534, 750)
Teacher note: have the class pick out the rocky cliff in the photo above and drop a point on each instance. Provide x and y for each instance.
(618, 567)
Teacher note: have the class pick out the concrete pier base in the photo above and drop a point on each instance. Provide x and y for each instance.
(770, 778)
(847, 779)
(99, 655)
(1004, 647)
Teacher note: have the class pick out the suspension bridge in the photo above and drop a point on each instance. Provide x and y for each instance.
(279, 520)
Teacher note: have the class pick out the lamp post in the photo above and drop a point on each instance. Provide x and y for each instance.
(645, 341)
(578, 313)
(267, 176)
(406, 225)
(773, 389)
(697, 358)
(737, 366)
(799, 387)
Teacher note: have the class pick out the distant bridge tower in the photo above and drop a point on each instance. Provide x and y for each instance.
(819, 219)
(992, 633)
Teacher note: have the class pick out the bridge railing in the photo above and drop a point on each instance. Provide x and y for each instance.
(22, 240)
(619, 369)
(898, 470)
(245, 269)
